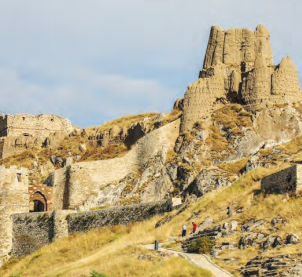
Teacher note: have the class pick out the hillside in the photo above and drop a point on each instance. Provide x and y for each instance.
(121, 245)
(230, 152)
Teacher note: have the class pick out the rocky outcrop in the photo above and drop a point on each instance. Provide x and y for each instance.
(281, 265)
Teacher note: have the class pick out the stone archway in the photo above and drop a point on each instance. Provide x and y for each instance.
(39, 206)
(40, 202)
(40, 197)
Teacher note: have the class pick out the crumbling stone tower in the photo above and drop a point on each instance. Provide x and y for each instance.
(238, 67)
(14, 198)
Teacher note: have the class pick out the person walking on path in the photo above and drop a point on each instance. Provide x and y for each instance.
(230, 212)
(194, 227)
(184, 230)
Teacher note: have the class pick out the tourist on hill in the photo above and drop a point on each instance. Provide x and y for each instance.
(230, 212)
(184, 230)
(194, 227)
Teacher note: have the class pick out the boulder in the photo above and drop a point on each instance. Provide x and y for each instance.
(53, 159)
(82, 147)
(233, 225)
(292, 239)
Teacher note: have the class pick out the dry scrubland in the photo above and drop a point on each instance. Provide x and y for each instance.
(115, 251)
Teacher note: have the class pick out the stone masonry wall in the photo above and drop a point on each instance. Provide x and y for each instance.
(33, 230)
(74, 185)
(125, 215)
(285, 181)
(30, 232)
(42, 125)
(14, 199)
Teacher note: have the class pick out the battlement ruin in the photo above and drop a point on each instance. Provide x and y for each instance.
(22, 131)
(238, 68)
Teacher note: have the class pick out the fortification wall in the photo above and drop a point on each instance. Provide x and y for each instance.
(41, 125)
(237, 45)
(42, 193)
(288, 180)
(238, 68)
(125, 215)
(33, 230)
(74, 185)
(14, 198)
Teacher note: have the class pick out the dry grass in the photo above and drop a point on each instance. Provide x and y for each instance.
(113, 251)
(233, 117)
(113, 150)
(121, 122)
(171, 155)
(117, 246)
(234, 167)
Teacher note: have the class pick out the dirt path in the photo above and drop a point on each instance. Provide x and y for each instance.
(199, 260)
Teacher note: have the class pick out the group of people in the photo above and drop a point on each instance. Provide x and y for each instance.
(184, 229)
(184, 226)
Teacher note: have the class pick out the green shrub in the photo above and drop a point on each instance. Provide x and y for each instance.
(97, 274)
(15, 275)
(202, 245)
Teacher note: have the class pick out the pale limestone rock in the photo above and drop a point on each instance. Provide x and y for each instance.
(82, 147)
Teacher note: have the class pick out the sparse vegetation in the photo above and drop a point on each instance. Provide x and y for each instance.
(234, 167)
(202, 245)
(121, 122)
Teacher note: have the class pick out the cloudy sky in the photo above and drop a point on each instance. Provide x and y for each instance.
(95, 60)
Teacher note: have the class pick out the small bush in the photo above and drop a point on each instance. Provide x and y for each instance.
(202, 245)
(15, 275)
(97, 274)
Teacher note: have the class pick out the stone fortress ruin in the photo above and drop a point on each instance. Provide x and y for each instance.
(238, 68)
(23, 131)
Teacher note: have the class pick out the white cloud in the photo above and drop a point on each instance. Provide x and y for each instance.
(93, 60)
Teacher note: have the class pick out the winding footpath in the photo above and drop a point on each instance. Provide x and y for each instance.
(199, 260)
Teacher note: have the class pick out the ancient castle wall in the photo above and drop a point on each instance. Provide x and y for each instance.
(76, 184)
(201, 95)
(40, 192)
(33, 230)
(14, 198)
(238, 69)
(41, 125)
(288, 180)
(23, 131)
(234, 46)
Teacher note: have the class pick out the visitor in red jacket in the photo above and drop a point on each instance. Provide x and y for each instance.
(194, 227)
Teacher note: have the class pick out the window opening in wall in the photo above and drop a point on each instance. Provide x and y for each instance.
(51, 119)
(23, 117)
(26, 134)
(19, 177)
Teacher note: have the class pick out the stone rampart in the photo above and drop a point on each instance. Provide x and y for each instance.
(26, 124)
(74, 185)
(14, 198)
(288, 180)
(238, 69)
(30, 232)
(33, 230)
(23, 131)
(124, 215)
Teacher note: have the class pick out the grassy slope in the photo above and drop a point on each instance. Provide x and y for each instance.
(114, 251)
